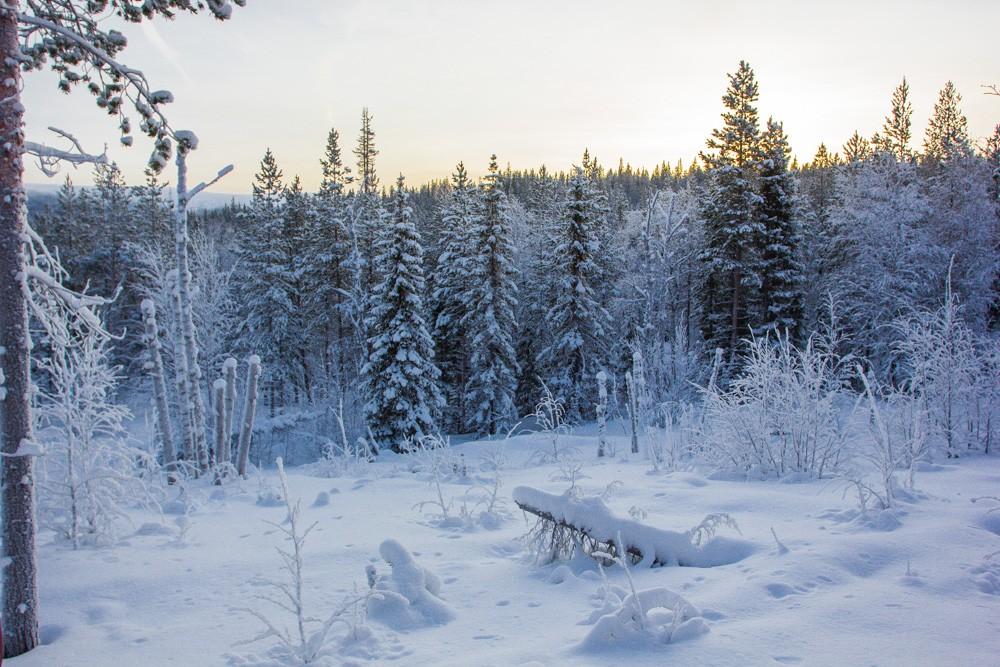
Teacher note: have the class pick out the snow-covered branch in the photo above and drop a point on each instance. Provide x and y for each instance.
(49, 157)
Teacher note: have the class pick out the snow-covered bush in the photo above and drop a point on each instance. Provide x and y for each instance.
(783, 414)
(631, 618)
(550, 419)
(897, 438)
(949, 375)
(90, 473)
(410, 597)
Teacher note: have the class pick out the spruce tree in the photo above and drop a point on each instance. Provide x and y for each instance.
(489, 316)
(947, 136)
(367, 217)
(731, 230)
(577, 323)
(451, 280)
(781, 268)
(327, 270)
(259, 267)
(544, 204)
(401, 378)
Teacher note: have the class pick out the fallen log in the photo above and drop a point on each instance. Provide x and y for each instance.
(567, 523)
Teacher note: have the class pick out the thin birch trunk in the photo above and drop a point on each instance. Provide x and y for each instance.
(249, 413)
(159, 384)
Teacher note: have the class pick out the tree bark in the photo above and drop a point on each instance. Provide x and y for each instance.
(249, 413)
(196, 403)
(20, 579)
(159, 384)
(229, 372)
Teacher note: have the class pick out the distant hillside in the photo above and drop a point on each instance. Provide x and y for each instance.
(206, 200)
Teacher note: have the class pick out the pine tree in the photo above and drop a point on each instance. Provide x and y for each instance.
(401, 378)
(459, 216)
(896, 131)
(781, 269)
(45, 34)
(947, 136)
(489, 312)
(577, 322)
(731, 229)
(857, 148)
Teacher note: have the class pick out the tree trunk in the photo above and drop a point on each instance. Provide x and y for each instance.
(249, 412)
(196, 404)
(181, 373)
(229, 372)
(20, 582)
(219, 409)
(159, 384)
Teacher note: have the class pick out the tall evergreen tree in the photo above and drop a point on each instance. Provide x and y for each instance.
(781, 268)
(732, 273)
(577, 322)
(489, 315)
(857, 148)
(459, 216)
(401, 378)
(897, 129)
(367, 217)
(947, 136)
(328, 274)
(259, 269)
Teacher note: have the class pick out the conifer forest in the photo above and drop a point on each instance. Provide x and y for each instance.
(737, 407)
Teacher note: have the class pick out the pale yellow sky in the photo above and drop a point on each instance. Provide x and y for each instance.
(534, 81)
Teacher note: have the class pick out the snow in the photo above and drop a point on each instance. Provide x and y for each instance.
(831, 592)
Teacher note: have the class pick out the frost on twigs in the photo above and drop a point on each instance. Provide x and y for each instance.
(310, 641)
(567, 523)
(627, 617)
(410, 596)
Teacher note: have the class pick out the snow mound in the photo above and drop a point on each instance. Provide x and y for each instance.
(638, 620)
(410, 597)
(658, 547)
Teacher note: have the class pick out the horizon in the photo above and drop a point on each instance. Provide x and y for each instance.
(434, 104)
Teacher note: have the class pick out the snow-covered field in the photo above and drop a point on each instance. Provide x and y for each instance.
(834, 591)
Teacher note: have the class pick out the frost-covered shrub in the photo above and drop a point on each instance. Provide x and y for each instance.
(309, 641)
(784, 413)
(954, 380)
(550, 419)
(90, 474)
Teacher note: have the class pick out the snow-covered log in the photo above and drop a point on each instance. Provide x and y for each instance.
(567, 522)
(249, 412)
(158, 376)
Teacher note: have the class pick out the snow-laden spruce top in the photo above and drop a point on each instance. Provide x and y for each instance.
(658, 547)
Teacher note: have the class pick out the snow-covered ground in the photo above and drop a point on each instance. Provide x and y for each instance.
(842, 593)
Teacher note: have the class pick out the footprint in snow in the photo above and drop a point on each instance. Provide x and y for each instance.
(780, 590)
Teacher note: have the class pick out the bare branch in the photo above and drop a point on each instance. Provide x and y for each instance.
(992, 89)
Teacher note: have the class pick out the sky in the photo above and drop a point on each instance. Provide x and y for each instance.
(533, 81)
